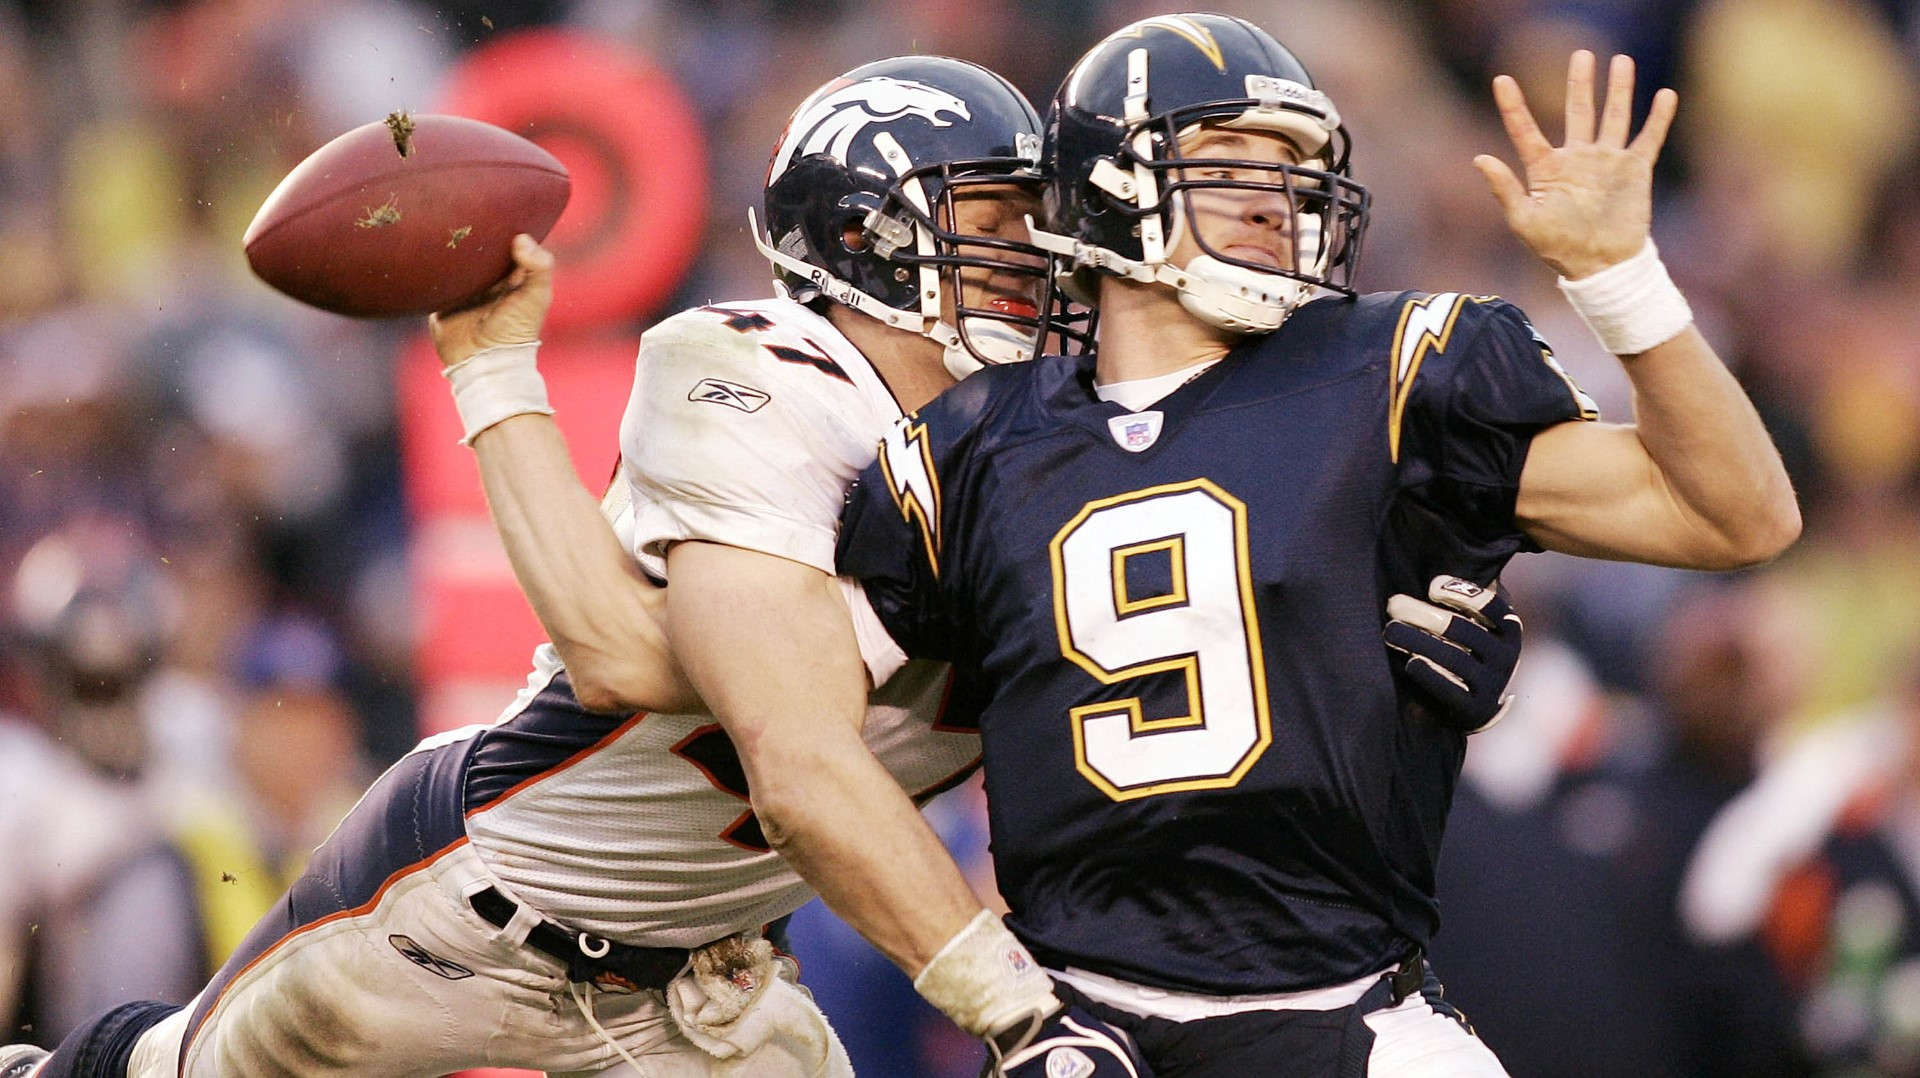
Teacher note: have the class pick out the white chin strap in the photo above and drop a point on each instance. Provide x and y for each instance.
(996, 341)
(1225, 296)
(1237, 299)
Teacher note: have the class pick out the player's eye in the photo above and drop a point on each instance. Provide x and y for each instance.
(1214, 172)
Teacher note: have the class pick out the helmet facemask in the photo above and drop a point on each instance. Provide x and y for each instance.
(1131, 183)
(1311, 213)
(986, 294)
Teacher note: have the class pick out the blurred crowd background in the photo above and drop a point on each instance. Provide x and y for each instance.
(1694, 849)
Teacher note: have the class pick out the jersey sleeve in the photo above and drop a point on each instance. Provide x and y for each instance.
(899, 533)
(878, 649)
(718, 443)
(1476, 383)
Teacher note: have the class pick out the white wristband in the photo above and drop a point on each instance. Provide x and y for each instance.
(495, 384)
(985, 979)
(1631, 306)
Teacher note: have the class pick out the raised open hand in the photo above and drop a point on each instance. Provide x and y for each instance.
(1588, 204)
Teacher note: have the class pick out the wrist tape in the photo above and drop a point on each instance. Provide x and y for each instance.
(1631, 306)
(495, 384)
(985, 979)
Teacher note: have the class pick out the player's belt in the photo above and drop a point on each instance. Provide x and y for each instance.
(588, 958)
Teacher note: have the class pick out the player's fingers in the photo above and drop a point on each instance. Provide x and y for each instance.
(530, 256)
(1435, 679)
(1421, 615)
(1517, 118)
(1506, 187)
(1487, 607)
(1506, 705)
(480, 306)
(1579, 98)
(437, 332)
(1653, 134)
(1497, 608)
(507, 286)
(1486, 624)
(1499, 615)
(1496, 605)
(1616, 118)
(1459, 632)
(1471, 636)
(1458, 593)
(1411, 641)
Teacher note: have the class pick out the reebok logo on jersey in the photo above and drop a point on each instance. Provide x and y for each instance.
(427, 960)
(731, 394)
(1136, 432)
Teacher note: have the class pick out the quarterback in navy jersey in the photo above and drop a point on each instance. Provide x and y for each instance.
(1131, 593)
(1160, 570)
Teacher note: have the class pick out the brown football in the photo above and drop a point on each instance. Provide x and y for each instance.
(405, 216)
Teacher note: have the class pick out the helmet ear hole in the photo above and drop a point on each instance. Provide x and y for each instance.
(853, 236)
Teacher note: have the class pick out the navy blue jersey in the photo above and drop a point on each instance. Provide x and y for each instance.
(1201, 770)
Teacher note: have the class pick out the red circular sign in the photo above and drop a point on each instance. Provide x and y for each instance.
(633, 147)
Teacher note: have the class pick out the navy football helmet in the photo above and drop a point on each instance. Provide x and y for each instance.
(1117, 201)
(860, 204)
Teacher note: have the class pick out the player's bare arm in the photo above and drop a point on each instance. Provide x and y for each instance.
(1696, 481)
(823, 800)
(605, 618)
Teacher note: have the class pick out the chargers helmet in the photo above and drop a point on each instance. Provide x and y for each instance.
(859, 203)
(1115, 202)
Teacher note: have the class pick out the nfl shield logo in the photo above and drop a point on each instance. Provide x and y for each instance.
(1135, 431)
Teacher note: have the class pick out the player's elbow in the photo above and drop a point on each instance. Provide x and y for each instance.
(597, 692)
(1762, 534)
(792, 784)
(1783, 529)
(621, 685)
(780, 822)
(1775, 526)
(783, 810)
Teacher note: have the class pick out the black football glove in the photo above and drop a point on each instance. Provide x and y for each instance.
(1065, 1043)
(1460, 648)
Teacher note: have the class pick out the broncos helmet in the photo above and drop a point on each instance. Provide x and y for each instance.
(1116, 201)
(860, 203)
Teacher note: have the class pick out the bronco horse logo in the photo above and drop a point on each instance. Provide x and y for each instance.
(828, 123)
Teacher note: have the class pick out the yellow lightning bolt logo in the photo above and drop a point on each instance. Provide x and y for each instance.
(1198, 35)
(906, 459)
(1425, 326)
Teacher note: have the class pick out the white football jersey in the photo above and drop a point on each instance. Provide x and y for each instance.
(746, 424)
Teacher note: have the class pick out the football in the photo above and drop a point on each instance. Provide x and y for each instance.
(405, 216)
